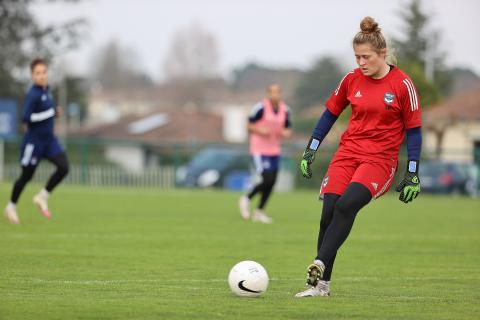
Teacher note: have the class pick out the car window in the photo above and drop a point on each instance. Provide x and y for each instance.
(432, 169)
(212, 159)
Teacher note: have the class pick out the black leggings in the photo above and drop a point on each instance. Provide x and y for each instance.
(338, 215)
(61, 163)
(265, 187)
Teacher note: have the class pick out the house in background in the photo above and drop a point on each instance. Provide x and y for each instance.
(134, 142)
(108, 106)
(453, 128)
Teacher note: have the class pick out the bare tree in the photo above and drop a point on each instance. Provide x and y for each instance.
(116, 67)
(193, 55)
(191, 65)
(23, 38)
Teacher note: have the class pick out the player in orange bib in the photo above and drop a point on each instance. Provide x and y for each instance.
(385, 106)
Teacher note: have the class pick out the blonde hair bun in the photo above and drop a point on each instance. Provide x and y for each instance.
(369, 25)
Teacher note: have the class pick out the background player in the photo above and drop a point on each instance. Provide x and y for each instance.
(39, 142)
(384, 105)
(269, 124)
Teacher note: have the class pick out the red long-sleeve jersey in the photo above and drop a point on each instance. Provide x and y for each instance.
(381, 112)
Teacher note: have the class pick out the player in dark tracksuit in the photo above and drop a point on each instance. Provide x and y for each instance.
(39, 142)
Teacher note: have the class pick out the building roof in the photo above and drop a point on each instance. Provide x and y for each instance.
(169, 126)
(179, 94)
(464, 106)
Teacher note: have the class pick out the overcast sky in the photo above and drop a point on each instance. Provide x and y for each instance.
(277, 33)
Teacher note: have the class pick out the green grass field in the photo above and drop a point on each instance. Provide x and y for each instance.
(155, 254)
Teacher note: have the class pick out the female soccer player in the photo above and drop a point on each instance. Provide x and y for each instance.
(385, 106)
(269, 123)
(39, 142)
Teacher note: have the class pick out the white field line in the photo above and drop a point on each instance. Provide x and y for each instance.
(115, 236)
(190, 285)
(163, 284)
(166, 281)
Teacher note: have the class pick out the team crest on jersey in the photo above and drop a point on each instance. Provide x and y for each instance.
(388, 97)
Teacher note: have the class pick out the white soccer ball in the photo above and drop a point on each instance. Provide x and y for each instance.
(248, 279)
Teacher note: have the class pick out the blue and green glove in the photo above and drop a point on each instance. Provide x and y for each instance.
(409, 187)
(308, 157)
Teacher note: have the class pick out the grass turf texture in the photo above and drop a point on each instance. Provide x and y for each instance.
(154, 254)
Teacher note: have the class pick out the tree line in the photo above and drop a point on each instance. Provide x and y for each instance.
(193, 58)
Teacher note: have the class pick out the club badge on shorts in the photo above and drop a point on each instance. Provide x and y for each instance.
(322, 186)
(325, 182)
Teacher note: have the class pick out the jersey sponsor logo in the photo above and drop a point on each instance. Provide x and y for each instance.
(388, 97)
(44, 97)
(358, 94)
(412, 94)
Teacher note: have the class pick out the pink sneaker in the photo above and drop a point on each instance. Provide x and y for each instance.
(42, 205)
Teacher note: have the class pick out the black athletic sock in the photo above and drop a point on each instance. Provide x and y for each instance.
(329, 201)
(19, 185)
(255, 190)
(61, 162)
(269, 179)
(346, 208)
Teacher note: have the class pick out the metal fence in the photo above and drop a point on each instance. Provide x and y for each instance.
(105, 175)
(91, 166)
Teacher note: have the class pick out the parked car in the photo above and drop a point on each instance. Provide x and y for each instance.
(448, 177)
(211, 167)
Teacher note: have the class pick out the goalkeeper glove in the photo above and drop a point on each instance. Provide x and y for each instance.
(409, 187)
(308, 157)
